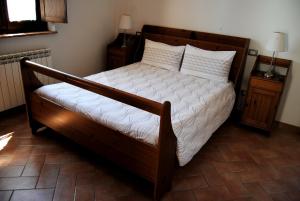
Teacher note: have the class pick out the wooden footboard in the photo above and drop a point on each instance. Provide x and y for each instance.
(153, 162)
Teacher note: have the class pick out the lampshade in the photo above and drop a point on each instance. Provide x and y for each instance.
(125, 22)
(277, 42)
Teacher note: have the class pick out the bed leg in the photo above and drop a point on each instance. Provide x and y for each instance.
(162, 185)
(30, 83)
(35, 126)
(166, 154)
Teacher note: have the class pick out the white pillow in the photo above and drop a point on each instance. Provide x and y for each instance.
(213, 65)
(162, 55)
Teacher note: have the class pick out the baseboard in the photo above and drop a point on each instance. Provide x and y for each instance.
(21, 108)
(292, 128)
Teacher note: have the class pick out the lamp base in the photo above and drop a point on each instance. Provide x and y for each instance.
(124, 41)
(269, 74)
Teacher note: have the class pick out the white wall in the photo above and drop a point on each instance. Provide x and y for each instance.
(80, 46)
(255, 19)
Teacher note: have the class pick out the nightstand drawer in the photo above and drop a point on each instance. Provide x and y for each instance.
(117, 51)
(115, 61)
(266, 84)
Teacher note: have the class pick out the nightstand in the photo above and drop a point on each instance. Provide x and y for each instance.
(118, 56)
(263, 94)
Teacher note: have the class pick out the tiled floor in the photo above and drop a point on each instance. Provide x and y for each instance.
(236, 164)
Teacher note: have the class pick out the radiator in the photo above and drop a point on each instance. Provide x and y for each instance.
(11, 86)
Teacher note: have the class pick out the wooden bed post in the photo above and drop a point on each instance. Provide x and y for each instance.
(166, 153)
(30, 83)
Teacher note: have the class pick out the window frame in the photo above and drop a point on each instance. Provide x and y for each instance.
(25, 26)
(46, 11)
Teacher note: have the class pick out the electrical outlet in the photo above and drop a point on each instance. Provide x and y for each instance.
(252, 52)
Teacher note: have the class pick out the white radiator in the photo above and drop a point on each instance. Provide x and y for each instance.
(11, 86)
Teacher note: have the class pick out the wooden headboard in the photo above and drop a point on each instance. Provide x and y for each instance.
(208, 41)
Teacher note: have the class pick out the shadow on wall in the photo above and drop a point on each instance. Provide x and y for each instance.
(141, 16)
(286, 91)
(254, 44)
(289, 80)
(248, 68)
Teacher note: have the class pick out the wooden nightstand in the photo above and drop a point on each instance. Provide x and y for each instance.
(118, 56)
(263, 95)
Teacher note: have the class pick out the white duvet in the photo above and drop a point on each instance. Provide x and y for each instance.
(198, 106)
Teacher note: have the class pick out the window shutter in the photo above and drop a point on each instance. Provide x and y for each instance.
(54, 11)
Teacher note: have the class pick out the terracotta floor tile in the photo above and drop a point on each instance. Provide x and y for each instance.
(85, 193)
(273, 186)
(33, 195)
(290, 183)
(11, 171)
(167, 197)
(76, 168)
(24, 150)
(191, 169)
(269, 171)
(257, 192)
(215, 193)
(235, 165)
(47, 149)
(230, 166)
(86, 179)
(65, 188)
(211, 175)
(249, 177)
(32, 169)
(103, 179)
(120, 189)
(17, 183)
(212, 155)
(287, 172)
(5, 195)
(48, 176)
(227, 153)
(244, 156)
(101, 196)
(188, 183)
(61, 158)
(183, 196)
(5, 159)
(36, 158)
(280, 197)
(243, 199)
(293, 195)
(234, 185)
(19, 159)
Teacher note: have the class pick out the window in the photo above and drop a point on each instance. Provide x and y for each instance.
(20, 10)
(21, 16)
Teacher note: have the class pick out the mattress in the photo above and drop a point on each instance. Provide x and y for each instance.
(198, 106)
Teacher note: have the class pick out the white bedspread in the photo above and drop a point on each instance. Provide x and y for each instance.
(199, 106)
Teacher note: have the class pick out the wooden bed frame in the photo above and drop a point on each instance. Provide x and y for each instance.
(152, 162)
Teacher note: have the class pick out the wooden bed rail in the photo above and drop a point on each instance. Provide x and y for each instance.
(110, 92)
(153, 162)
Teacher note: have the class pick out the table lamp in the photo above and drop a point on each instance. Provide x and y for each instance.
(125, 25)
(275, 44)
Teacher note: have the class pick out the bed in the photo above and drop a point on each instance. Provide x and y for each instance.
(125, 114)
